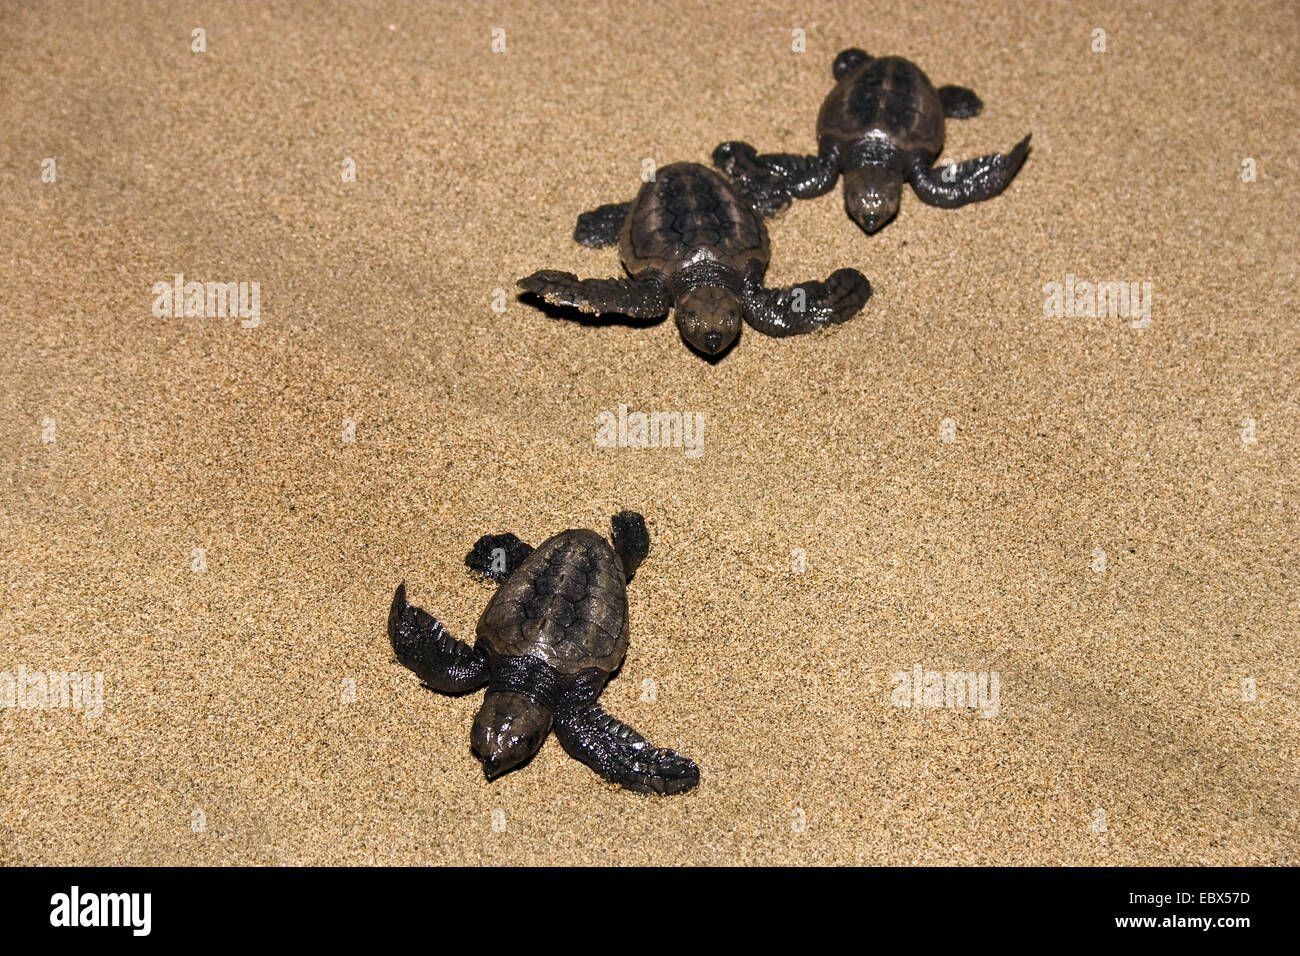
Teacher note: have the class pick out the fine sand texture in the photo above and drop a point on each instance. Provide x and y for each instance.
(1095, 514)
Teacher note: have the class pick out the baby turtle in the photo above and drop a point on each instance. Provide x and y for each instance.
(690, 242)
(882, 125)
(550, 638)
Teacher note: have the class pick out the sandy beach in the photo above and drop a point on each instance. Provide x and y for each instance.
(1093, 516)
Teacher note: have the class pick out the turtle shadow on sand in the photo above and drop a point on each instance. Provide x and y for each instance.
(570, 313)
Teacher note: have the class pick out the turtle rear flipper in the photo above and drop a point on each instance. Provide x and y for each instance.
(423, 645)
(601, 226)
(806, 306)
(972, 181)
(619, 754)
(769, 182)
(959, 102)
(847, 61)
(644, 298)
(495, 556)
(631, 540)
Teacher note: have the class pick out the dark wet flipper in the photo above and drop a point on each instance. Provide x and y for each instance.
(631, 540)
(770, 182)
(972, 181)
(639, 298)
(846, 291)
(620, 755)
(424, 646)
(847, 61)
(959, 102)
(496, 556)
(601, 226)
(764, 191)
(807, 306)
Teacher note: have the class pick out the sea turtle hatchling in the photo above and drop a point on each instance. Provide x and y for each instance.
(550, 638)
(691, 242)
(882, 125)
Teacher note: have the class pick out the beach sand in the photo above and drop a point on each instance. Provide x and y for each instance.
(1110, 530)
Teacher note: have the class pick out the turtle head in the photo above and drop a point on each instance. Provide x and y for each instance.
(871, 195)
(508, 729)
(708, 317)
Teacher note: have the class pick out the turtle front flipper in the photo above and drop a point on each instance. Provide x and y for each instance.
(601, 226)
(495, 556)
(806, 306)
(423, 645)
(959, 102)
(644, 298)
(618, 753)
(972, 181)
(769, 182)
